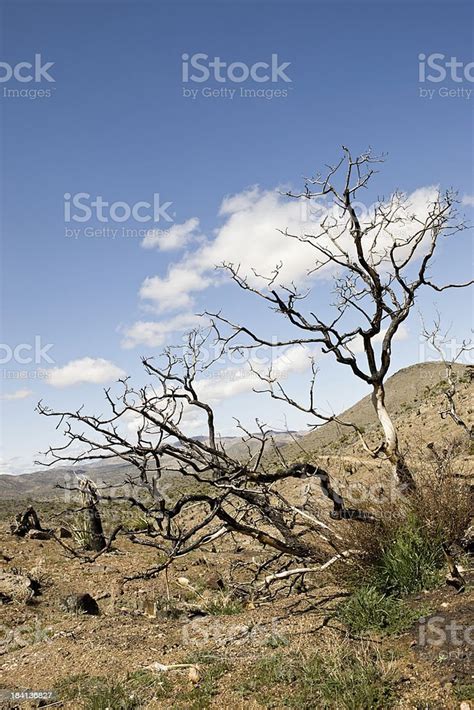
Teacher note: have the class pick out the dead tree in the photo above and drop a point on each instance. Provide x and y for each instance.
(376, 283)
(24, 522)
(232, 495)
(379, 265)
(93, 532)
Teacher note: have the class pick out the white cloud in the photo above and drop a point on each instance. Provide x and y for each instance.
(155, 333)
(84, 370)
(177, 237)
(175, 290)
(232, 381)
(468, 200)
(250, 238)
(19, 394)
(356, 345)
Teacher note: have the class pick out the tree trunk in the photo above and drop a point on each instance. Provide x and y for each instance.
(403, 478)
(94, 538)
(93, 527)
(25, 522)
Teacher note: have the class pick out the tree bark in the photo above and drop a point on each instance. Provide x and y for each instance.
(402, 475)
(93, 525)
(94, 531)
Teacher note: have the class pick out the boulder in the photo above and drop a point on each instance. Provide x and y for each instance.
(80, 604)
(17, 587)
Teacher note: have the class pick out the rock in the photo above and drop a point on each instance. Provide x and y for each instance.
(194, 675)
(17, 587)
(183, 581)
(63, 532)
(80, 604)
(38, 535)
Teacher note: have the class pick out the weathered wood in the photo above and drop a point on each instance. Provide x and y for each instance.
(24, 522)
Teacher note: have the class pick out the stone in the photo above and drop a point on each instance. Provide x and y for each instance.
(16, 587)
(64, 532)
(80, 604)
(38, 535)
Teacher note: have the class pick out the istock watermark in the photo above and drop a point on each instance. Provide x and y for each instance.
(437, 68)
(81, 208)
(26, 353)
(451, 350)
(447, 634)
(37, 71)
(236, 79)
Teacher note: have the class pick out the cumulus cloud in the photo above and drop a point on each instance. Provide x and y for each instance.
(156, 333)
(231, 381)
(250, 238)
(19, 394)
(356, 345)
(84, 370)
(177, 237)
(468, 200)
(175, 290)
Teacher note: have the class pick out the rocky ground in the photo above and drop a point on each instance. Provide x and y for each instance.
(44, 646)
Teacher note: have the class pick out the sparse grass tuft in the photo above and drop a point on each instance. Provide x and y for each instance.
(369, 609)
(224, 604)
(101, 693)
(337, 679)
(211, 669)
(464, 691)
(97, 693)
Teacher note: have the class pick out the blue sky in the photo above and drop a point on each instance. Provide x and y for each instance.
(117, 125)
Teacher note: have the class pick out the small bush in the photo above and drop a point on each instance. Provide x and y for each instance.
(410, 561)
(369, 609)
(443, 500)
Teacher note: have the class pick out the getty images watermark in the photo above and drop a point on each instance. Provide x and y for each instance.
(113, 220)
(230, 80)
(34, 353)
(27, 79)
(454, 75)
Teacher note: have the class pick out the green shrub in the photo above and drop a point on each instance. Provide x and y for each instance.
(410, 561)
(369, 609)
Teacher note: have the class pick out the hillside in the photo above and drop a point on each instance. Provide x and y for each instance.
(414, 398)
